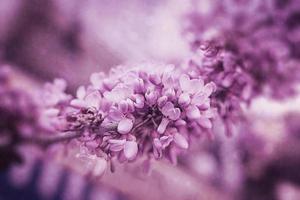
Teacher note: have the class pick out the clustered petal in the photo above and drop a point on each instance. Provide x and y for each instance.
(149, 110)
(19, 118)
(247, 49)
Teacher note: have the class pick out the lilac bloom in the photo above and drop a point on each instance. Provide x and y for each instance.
(145, 109)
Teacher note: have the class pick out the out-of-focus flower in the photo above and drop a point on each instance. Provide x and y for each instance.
(291, 122)
(28, 117)
(18, 118)
(247, 49)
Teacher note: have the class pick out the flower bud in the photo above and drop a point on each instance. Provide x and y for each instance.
(130, 150)
(193, 112)
(180, 141)
(125, 126)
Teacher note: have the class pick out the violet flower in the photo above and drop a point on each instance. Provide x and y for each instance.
(247, 49)
(29, 118)
(149, 110)
(18, 119)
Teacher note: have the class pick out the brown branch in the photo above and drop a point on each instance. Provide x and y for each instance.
(46, 141)
(141, 124)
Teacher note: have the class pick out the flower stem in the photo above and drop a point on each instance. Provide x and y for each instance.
(47, 141)
(141, 124)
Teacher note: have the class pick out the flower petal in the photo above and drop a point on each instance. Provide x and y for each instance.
(93, 99)
(209, 88)
(123, 106)
(157, 148)
(166, 108)
(166, 140)
(116, 145)
(184, 82)
(151, 97)
(96, 79)
(174, 114)
(115, 114)
(100, 167)
(180, 141)
(162, 101)
(118, 93)
(163, 125)
(130, 150)
(199, 99)
(184, 99)
(190, 86)
(125, 126)
(205, 123)
(180, 122)
(139, 101)
(78, 103)
(193, 112)
(81, 92)
(196, 85)
(51, 112)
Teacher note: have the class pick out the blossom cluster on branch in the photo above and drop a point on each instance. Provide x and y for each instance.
(18, 117)
(149, 109)
(247, 48)
(153, 110)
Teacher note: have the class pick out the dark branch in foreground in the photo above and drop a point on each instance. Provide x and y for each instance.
(47, 141)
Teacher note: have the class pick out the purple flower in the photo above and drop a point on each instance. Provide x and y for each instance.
(125, 126)
(130, 149)
(86, 99)
(20, 114)
(246, 49)
(137, 110)
(169, 111)
(181, 141)
(54, 93)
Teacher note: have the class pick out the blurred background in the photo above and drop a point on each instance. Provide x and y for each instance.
(72, 38)
(44, 39)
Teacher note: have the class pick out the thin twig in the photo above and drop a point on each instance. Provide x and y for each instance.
(46, 141)
(67, 135)
(141, 124)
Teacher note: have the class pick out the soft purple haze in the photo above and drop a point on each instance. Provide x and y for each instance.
(141, 96)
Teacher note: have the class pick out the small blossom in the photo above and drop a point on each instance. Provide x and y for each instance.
(163, 125)
(184, 99)
(117, 145)
(84, 99)
(130, 149)
(190, 86)
(54, 93)
(151, 97)
(118, 93)
(125, 125)
(205, 123)
(193, 112)
(100, 167)
(180, 141)
(138, 101)
(166, 141)
(169, 111)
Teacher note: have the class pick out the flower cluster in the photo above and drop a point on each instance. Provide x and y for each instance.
(28, 117)
(247, 49)
(234, 85)
(17, 110)
(52, 100)
(148, 110)
(18, 118)
(264, 46)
